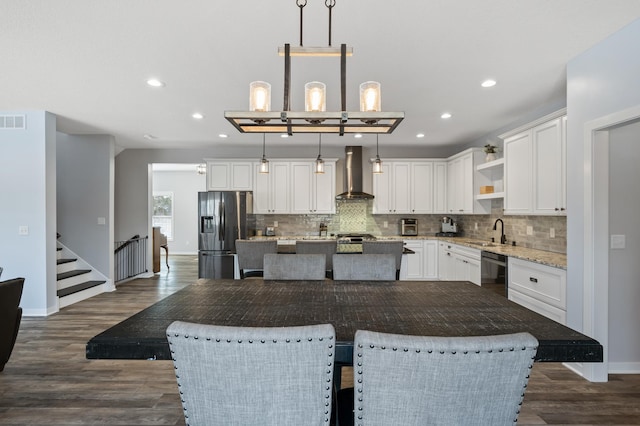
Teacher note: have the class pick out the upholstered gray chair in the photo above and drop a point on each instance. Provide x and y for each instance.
(251, 254)
(253, 376)
(294, 266)
(393, 247)
(364, 267)
(417, 380)
(326, 247)
(10, 316)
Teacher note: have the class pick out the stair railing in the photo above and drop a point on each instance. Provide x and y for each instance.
(130, 258)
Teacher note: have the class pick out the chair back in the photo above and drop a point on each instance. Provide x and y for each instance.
(393, 247)
(417, 380)
(294, 266)
(10, 316)
(326, 247)
(251, 256)
(364, 267)
(253, 376)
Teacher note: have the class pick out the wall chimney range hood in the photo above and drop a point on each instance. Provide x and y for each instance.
(353, 175)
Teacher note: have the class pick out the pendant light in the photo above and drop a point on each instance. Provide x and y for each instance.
(264, 163)
(377, 163)
(319, 160)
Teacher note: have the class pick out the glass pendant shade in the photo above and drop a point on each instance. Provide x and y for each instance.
(264, 165)
(370, 97)
(377, 165)
(315, 97)
(319, 165)
(259, 96)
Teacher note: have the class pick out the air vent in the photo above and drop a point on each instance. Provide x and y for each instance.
(14, 122)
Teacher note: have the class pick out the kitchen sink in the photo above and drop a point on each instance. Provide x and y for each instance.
(481, 243)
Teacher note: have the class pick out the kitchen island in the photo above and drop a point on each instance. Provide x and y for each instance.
(434, 308)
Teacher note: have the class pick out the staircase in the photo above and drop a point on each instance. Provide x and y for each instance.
(77, 281)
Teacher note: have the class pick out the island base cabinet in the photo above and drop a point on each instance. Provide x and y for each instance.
(422, 264)
(540, 288)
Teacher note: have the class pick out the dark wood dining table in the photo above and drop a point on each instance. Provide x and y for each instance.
(437, 308)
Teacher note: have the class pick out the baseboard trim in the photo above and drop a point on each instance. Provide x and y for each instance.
(624, 367)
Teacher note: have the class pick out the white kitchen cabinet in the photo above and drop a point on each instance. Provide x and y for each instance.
(535, 169)
(272, 191)
(462, 183)
(312, 192)
(439, 187)
(538, 287)
(423, 263)
(391, 188)
(458, 263)
(413, 264)
(408, 187)
(229, 175)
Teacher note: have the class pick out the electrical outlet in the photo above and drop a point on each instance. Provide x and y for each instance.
(275, 223)
(618, 242)
(23, 230)
(552, 233)
(385, 224)
(102, 221)
(529, 230)
(475, 226)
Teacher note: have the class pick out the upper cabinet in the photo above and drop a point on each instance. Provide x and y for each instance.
(229, 175)
(463, 183)
(313, 192)
(535, 169)
(272, 191)
(414, 187)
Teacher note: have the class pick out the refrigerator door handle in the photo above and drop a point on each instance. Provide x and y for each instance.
(221, 223)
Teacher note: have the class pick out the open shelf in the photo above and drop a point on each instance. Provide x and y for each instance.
(491, 196)
(491, 164)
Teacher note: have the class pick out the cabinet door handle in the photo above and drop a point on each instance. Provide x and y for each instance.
(533, 280)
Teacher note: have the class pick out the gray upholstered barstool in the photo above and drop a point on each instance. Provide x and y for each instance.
(424, 380)
(326, 247)
(309, 267)
(393, 247)
(251, 256)
(253, 376)
(364, 267)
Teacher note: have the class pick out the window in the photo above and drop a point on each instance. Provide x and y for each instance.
(163, 212)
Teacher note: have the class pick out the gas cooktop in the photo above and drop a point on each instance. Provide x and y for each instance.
(354, 238)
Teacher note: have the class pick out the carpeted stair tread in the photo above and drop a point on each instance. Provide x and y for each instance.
(69, 274)
(62, 261)
(78, 287)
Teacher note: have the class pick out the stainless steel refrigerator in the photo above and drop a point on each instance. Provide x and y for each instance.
(222, 219)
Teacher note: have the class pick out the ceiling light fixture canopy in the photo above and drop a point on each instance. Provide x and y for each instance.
(315, 118)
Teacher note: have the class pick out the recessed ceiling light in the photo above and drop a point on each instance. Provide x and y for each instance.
(154, 82)
(286, 135)
(446, 115)
(223, 135)
(488, 83)
(149, 137)
(357, 135)
(197, 116)
(420, 135)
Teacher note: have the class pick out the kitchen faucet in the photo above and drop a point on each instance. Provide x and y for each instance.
(503, 238)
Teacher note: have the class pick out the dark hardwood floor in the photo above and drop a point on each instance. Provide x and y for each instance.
(49, 381)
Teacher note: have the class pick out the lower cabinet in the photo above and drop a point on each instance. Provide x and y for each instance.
(541, 288)
(423, 263)
(459, 263)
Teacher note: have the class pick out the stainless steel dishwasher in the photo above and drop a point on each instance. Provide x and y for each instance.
(494, 273)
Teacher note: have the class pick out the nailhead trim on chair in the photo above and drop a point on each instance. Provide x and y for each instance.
(329, 371)
(371, 346)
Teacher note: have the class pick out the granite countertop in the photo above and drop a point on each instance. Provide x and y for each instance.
(556, 260)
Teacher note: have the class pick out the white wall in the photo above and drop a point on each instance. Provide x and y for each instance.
(28, 198)
(601, 81)
(624, 268)
(185, 187)
(84, 188)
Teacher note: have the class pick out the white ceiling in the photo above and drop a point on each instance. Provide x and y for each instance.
(87, 61)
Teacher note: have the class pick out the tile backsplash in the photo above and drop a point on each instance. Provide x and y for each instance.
(357, 216)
